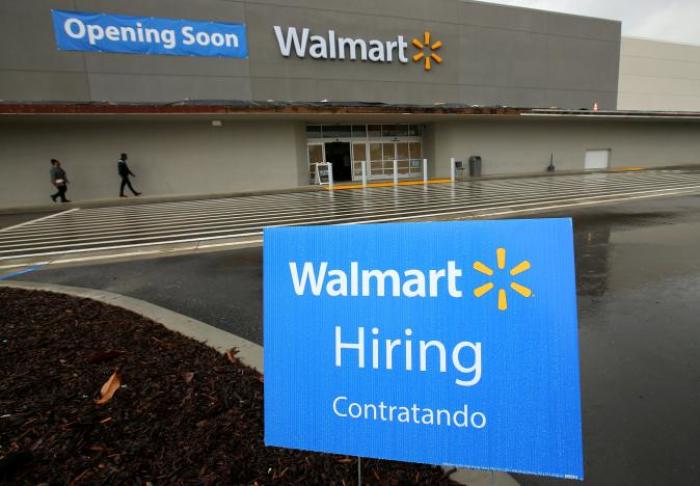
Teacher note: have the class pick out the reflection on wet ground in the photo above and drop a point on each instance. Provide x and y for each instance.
(638, 281)
(592, 241)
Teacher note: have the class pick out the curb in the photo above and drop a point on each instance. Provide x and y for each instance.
(249, 353)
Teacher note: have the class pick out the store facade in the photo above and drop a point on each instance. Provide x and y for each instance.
(217, 97)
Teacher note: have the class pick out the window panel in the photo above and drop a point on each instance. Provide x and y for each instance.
(315, 153)
(388, 151)
(336, 131)
(375, 151)
(359, 131)
(415, 130)
(389, 130)
(374, 131)
(402, 151)
(394, 130)
(358, 151)
(415, 150)
(313, 131)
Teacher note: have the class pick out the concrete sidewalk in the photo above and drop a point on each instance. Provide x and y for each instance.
(87, 235)
(150, 199)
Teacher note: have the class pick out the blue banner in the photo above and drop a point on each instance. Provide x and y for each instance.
(443, 343)
(98, 32)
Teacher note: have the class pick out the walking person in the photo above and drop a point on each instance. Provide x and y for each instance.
(124, 173)
(59, 180)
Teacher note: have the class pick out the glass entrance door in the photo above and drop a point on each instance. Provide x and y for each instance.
(408, 155)
(338, 154)
(346, 146)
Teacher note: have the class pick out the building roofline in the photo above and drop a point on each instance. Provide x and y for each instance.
(235, 107)
(334, 108)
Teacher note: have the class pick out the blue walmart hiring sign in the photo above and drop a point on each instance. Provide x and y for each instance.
(442, 343)
(99, 32)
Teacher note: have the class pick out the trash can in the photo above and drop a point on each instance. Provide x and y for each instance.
(475, 166)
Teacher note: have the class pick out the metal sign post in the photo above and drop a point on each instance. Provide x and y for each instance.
(364, 173)
(425, 171)
(396, 172)
(452, 169)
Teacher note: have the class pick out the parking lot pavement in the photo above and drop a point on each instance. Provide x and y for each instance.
(9, 220)
(638, 281)
(199, 223)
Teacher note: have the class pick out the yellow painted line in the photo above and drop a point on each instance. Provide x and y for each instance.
(388, 184)
(626, 169)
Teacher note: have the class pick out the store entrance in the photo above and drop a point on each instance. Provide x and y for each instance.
(338, 154)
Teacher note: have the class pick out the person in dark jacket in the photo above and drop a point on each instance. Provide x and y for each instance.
(59, 180)
(124, 173)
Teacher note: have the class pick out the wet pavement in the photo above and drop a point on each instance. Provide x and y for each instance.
(12, 219)
(85, 233)
(638, 280)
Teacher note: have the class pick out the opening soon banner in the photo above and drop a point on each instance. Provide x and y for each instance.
(99, 32)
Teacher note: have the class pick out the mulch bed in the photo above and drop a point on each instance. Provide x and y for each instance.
(184, 414)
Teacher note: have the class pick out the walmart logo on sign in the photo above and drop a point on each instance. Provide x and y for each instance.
(356, 281)
(330, 46)
(516, 270)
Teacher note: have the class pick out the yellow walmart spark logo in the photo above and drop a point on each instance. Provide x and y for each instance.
(501, 263)
(427, 51)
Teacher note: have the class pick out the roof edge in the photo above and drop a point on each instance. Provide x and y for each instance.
(339, 108)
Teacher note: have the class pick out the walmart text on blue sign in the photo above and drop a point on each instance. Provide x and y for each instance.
(442, 343)
(100, 32)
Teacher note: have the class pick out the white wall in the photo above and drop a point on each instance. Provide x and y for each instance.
(172, 157)
(658, 76)
(168, 157)
(517, 145)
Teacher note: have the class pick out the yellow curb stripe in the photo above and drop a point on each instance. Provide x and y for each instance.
(386, 184)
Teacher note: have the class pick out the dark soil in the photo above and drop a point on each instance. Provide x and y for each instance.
(184, 414)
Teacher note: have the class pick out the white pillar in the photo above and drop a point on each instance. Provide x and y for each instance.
(396, 171)
(330, 175)
(425, 171)
(364, 173)
(452, 169)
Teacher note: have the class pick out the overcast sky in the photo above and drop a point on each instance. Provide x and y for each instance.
(669, 20)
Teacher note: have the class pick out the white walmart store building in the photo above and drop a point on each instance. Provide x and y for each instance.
(217, 97)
